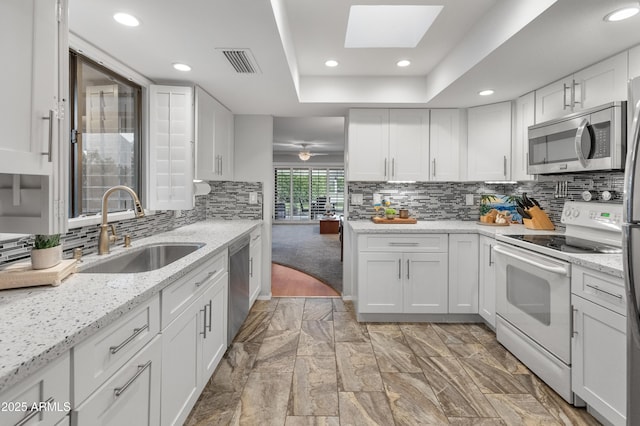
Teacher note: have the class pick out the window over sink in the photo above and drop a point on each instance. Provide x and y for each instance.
(105, 117)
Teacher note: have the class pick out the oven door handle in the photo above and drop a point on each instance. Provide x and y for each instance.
(561, 270)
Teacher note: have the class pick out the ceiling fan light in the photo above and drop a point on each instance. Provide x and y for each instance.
(304, 155)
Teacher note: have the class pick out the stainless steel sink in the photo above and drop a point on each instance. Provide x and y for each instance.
(143, 259)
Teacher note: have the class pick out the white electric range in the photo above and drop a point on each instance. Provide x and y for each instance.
(533, 287)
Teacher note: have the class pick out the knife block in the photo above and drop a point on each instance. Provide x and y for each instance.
(539, 220)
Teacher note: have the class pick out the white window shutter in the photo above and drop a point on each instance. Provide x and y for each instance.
(171, 157)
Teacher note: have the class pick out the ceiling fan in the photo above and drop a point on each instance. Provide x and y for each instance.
(304, 154)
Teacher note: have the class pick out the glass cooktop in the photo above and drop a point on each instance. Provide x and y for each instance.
(568, 244)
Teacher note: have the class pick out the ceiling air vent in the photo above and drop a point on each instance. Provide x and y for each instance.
(241, 60)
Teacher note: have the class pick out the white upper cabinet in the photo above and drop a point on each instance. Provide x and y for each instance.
(388, 144)
(171, 151)
(409, 144)
(598, 84)
(368, 145)
(444, 144)
(33, 155)
(554, 100)
(524, 117)
(214, 138)
(489, 142)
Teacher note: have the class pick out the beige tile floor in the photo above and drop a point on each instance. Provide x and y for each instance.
(300, 361)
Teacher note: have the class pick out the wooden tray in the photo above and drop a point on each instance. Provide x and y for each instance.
(492, 224)
(21, 275)
(397, 220)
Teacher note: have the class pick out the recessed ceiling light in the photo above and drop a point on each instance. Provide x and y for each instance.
(181, 67)
(622, 14)
(126, 19)
(403, 63)
(486, 92)
(388, 25)
(331, 63)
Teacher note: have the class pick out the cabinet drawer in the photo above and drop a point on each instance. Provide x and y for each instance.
(600, 288)
(98, 357)
(179, 295)
(51, 385)
(437, 243)
(131, 396)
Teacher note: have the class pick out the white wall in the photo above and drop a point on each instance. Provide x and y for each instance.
(253, 162)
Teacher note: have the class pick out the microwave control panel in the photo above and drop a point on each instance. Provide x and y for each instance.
(601, 144)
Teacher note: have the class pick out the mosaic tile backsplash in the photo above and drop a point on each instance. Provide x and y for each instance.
(227, 200)
(446, 200)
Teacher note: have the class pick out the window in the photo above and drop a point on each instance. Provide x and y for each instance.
(305, 193)
(106, 143)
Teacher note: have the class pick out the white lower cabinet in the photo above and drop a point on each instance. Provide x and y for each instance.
(463, 273)
(51, 386)
(487, 281)
(193, 344)
(131, 396)
(403, 273)
(599, 344)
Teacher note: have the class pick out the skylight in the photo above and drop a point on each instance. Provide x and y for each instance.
(389, 26)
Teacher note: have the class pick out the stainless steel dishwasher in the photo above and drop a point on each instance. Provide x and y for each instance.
(238, 286)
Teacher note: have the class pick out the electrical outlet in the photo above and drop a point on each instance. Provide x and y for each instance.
(253, 198)
(357, 199)
(178, 214)
(469, 199)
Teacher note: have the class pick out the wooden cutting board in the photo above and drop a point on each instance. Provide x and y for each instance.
(397, 220)
(22, 275)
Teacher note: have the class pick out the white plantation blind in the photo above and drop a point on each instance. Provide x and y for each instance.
(171, 161)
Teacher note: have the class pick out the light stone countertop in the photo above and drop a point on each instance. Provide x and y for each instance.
(41, 323)
(607, 263)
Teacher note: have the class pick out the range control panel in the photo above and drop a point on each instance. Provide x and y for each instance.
(593, 215)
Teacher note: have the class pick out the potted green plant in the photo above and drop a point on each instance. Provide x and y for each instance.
(390, 213)
(46, 251)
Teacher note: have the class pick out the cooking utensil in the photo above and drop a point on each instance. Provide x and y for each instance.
(519, 204)
(523, 212)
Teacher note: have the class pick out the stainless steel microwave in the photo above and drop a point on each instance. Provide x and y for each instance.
(589, 140)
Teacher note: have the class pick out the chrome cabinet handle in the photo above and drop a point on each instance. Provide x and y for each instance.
(49, 153)
(32, 413)
(210, 309)
(385, 167)
(221, 166)
(505, 165)
(433, 162)
(596, 288)
(408, 274)
(251, 267)
(400, 244)
(564, 97)
(490, 254)
(393, 167)
(574, 92)
(574, 311)
(136, 333)
(204, 316)
(119, 391)
(399, 269)
(209, 275)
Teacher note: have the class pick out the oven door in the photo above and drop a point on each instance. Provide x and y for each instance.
(533, 294)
